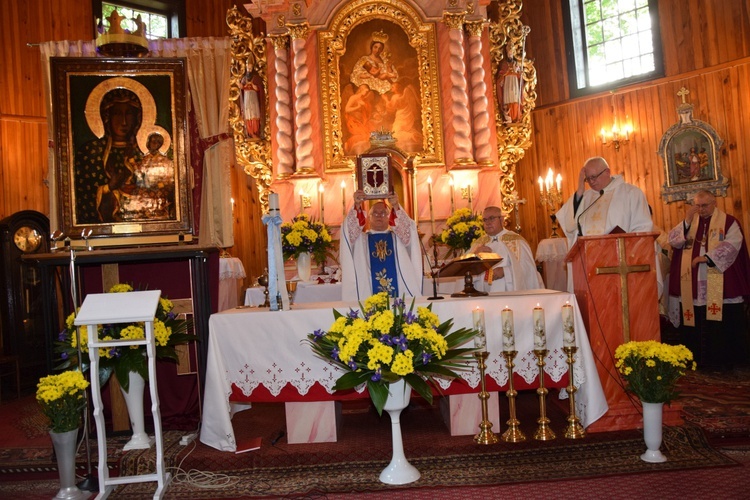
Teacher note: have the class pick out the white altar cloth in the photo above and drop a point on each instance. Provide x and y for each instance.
(250, 347)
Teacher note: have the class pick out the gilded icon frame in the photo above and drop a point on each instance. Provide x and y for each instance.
(690, 150)
(397, 19)
(145, 204)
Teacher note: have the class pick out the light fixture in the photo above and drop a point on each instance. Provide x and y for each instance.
(550, 194)
(619, 133)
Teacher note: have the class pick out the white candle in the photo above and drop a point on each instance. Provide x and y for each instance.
(558, 181)
(343, 199)
(569, 333)
(321, 209)
(541, 184)
(478, 317)
(540, 339)
(509, 337)
(273, 201)
(432, 213)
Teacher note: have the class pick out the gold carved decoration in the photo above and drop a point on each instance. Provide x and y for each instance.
(508, 50)
(252, 150)
(394, 15)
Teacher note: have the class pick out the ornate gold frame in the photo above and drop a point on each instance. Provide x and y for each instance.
(249, 55)
(508, 35)
(332, 44)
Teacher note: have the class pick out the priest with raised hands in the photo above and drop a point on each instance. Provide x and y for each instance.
(385, 257)
(609, 203)
(517, 270)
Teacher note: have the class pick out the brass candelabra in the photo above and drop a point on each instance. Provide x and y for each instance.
(575, 429)
(485, 436)
(550, 194)
(543, 431)
(513, 433)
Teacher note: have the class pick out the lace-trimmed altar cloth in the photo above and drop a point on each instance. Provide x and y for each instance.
(249, 348)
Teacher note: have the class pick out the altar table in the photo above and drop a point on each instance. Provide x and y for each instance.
(260, 355)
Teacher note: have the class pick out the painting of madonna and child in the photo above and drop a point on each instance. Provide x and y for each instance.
(380, 87)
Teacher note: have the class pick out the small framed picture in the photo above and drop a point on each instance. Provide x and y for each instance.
(374, 175)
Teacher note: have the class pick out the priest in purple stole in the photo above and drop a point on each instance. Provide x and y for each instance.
(709, 285)
(387, 257)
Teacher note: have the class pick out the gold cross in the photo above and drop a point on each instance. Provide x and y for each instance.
(682, 93)
(623, 269)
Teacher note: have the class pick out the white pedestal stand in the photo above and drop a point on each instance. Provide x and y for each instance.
(131, 307)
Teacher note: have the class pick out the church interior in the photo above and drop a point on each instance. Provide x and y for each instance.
(279, 108)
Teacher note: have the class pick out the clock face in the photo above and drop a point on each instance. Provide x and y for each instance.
(27, 239)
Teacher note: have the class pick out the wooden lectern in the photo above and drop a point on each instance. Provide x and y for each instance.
(614, 280)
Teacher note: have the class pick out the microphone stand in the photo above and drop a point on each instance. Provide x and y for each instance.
(90, 482)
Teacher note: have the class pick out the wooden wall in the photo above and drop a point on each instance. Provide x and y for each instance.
(706, 46)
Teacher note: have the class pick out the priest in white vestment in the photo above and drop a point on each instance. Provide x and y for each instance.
(517, 270)
(610, 202)
(387, 257)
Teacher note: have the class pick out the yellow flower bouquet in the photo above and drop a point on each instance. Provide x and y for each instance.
(62, 398)
(462, 228)
(651, 369)
(305, 235)
(169, 330)
(382, 342)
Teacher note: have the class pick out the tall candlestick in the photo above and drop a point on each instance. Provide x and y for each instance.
(509, 337)
(343, 199)
(432, 213)
(453, 202)
(477, 316)
(301, 202)
(321, 206)
(540, 338)
(415, 192)
(569, 332)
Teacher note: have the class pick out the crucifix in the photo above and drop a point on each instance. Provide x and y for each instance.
(623, 269)
(683, 92)
(513, 200)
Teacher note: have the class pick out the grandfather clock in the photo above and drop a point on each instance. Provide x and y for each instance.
(22, 326)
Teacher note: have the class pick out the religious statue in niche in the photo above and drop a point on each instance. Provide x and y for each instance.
(377, 89)
(509, 85)
(252, 96)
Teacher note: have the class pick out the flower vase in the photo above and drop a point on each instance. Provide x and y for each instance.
(652, 427)
(64, 444)
(304, 266)
(399, 471)
(134, 401)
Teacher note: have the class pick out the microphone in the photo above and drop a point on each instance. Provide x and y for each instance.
(578, 221)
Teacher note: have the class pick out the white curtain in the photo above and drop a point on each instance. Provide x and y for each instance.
(208, 62)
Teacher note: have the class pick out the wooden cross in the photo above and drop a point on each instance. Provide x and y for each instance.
(682, 93)
(623, 269)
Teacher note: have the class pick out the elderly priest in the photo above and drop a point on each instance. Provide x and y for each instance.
(387, 257)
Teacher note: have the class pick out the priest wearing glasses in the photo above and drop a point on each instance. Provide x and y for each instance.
(386, 257)
(609, 203)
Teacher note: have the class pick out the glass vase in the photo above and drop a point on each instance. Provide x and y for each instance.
(304, 266)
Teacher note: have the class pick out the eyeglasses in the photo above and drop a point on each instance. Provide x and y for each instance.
(492, 218)
(592, 178)
(379, 214)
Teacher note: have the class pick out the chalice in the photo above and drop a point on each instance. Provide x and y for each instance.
(291, 288)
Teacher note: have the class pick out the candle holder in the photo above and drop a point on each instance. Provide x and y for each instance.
(485, 436)
(543, 431)
(574, 429)
(263, 281)
(513, 433)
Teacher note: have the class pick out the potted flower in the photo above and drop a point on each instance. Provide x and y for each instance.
(128, 363)
(392, 349)
(462, 228)
(385, 341)
(62, 398)
(651, 370)
(304, 239)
